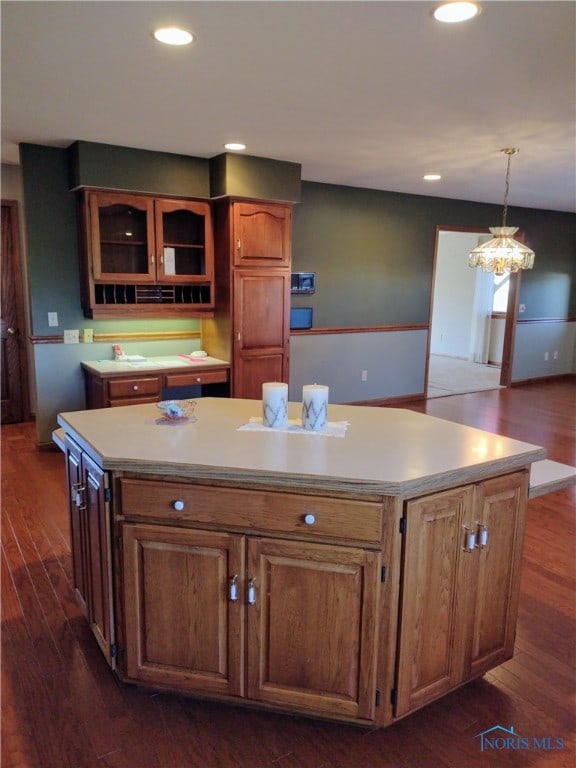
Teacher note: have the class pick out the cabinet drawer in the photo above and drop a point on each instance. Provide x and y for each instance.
(140, 386)
(312, 516)
(196, 377)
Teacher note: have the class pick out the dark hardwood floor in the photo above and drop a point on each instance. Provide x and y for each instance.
(62, 707)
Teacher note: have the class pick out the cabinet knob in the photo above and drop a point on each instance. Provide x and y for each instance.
(135, 387)
(178, 505)
(252, 592)
(233, 593)
(198, 379)
(309, 519)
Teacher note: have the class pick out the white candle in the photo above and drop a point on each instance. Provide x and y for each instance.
(314, 406)
(275, 404)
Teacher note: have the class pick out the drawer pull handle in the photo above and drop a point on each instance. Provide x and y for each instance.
(178, 505)
(252, 592)
(135, 387)
(482, 539)
(309, 519)
(233, 588)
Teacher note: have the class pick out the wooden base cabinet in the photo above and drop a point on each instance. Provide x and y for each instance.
(91, 545)
(198, 603)
(460, 586)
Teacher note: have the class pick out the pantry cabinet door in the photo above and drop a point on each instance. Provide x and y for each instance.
(500, 519)
(313, 626)
(182, 627)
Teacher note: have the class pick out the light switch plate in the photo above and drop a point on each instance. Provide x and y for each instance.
(71, 337)
(88, 335)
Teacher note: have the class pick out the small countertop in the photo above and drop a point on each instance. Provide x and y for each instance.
(384, 450)
(161, 364)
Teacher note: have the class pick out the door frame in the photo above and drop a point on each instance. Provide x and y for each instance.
(511, 310)
(16, 268)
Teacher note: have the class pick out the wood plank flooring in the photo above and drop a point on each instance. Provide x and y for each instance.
(62, 708)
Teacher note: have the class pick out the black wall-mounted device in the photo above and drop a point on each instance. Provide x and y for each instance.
(303, 282)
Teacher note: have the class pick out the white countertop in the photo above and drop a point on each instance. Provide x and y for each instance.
(165, 362)
(384, 450)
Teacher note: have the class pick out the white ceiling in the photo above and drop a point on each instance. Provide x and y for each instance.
(369, 94)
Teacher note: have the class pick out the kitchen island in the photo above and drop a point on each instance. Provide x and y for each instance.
(356, 576)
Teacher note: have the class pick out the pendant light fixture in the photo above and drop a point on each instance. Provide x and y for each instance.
(502, 253)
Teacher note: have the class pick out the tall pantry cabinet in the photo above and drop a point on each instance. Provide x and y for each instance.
(251, 325)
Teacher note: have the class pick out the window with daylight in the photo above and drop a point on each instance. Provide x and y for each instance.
(500, 295)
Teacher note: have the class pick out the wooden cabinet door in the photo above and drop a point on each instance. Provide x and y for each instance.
(499, 517)
(79, 541)
(261, 328)
(91, 545)
(262, 234)
(184, 241)
(122, 237)
(313, 626)
(181, 627)
(100, 604)
(433, 620)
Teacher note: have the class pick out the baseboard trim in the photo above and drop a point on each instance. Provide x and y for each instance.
(544, 379)
(397, 400)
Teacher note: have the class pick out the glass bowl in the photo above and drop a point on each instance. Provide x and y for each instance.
(177, 410)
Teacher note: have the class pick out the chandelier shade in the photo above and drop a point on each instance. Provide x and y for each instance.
(502, 254)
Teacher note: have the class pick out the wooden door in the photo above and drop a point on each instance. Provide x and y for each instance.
(436, 572)
(100, 603)
(261, 328)
(79, 530)
(12, 329)
(500, 518)
(262, 235)
(313, 626)
(182, 626)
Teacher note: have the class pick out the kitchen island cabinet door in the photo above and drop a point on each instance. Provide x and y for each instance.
(91, 545)
(433, 619)
(182, 629)
(499, 506)
(313, 626)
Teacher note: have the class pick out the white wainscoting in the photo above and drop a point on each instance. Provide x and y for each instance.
(395, 362)
(536, 338)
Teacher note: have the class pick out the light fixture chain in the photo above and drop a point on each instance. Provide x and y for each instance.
(506, 189)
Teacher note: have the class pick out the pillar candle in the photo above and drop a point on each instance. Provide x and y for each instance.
(314, 406)
(275, 404)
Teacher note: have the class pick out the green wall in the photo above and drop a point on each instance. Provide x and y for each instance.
(373, 251)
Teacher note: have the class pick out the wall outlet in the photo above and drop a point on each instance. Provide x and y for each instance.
(522, 308)
(72, 337)
(364, 375)
(88, 335)
(546, 355)
(52, 319)
(555, 354)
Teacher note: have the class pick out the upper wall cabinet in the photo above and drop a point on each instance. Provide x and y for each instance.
(263, 234)
(146, 255)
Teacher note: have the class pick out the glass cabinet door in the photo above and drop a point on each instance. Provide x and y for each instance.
(122, 237)
(184, 241)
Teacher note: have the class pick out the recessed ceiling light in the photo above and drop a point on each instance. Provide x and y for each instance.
(235, 145)
(455, 11)
(432, 177)
(174, 36)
